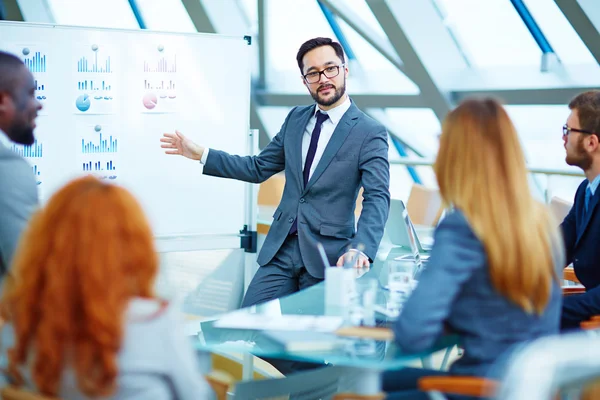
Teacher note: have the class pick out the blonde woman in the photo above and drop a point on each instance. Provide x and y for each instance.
(492, 277)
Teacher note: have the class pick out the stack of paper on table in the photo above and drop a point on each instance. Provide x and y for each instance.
(311, 323)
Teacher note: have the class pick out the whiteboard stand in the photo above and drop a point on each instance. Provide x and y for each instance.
(250, 266)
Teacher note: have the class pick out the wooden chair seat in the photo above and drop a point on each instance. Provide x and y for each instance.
(15, 393)
(458, 385)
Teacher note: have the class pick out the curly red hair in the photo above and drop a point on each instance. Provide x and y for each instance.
(81, 260)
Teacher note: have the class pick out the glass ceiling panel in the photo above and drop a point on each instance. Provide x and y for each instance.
(289, 24)
(166, 15)
(564, 40)
(372, 70)
(250, 8)
(490, 32)
(360, 7)
(97, 13)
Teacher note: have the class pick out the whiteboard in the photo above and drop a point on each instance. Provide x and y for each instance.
(108, 97)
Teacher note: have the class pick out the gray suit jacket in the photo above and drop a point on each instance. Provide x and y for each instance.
(18, 199)
(455, 291)
(356, 155)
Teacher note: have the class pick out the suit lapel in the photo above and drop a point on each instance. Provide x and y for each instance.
(340, 134)
(587, 216)
(300, 120)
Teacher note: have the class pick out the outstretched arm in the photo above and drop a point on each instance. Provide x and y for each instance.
(254, 169)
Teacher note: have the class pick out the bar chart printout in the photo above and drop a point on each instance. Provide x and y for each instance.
(36, 62)
(104, 169)
(33, 151)
(96, 62)
(36, 174)
(163, 64)
(102, 145)
(91, 85)
(98, 166)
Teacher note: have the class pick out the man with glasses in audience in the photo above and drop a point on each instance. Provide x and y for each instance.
(328, 150)
(581, 227)
(18, 188)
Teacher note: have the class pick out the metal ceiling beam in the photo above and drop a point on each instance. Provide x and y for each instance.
(36, 11)
(583, 23)
(549, 96)
(261, 82)
(199, 16)
(226, 17)
(387, 13)
(380, 43)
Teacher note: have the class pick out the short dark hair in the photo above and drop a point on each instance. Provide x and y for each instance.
(313, 44)
(9, 65)
(587, 105)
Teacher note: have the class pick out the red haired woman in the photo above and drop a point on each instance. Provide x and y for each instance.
(80, 299)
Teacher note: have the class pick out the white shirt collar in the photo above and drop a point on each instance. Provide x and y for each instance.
(335, 114)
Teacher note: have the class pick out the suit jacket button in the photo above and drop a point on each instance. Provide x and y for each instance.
(291, 220)
(302, 200)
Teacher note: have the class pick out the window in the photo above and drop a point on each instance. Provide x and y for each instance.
(97, 13)
(490, 32)
(289, 24)
(166, 15)
(562, 37)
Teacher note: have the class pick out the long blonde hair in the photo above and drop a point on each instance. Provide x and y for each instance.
(481, 170)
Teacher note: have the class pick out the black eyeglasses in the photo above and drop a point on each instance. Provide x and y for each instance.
(567, 130)
(329, 72)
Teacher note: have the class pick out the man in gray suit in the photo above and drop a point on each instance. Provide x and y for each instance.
(18, 188)
(328, 151)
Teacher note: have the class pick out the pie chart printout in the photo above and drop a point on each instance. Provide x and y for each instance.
(150, 100)
(83, 102)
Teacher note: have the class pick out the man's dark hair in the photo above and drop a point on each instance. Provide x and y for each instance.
(9, 65)
(587, 105)
(313, 44)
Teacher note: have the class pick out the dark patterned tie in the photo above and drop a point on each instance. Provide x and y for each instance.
(310, 156)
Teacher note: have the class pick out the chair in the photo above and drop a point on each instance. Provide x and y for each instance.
(322, 383)
(424, 205)
(569, 275)
(537, 371)
(271, 190)
(559, 208)
(15, 393)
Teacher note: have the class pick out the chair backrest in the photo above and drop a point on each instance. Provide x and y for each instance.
(271, 190)
(538, 369)
(14, 393)
(559, 208)
(321, 383)
(424, 205)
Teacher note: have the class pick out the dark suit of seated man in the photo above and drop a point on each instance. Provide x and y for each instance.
(581, 227)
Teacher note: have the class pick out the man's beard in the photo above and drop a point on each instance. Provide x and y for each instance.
(21, 134)
(581, 159)
(339, 92)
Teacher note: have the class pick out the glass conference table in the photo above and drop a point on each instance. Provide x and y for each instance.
(368, 356)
